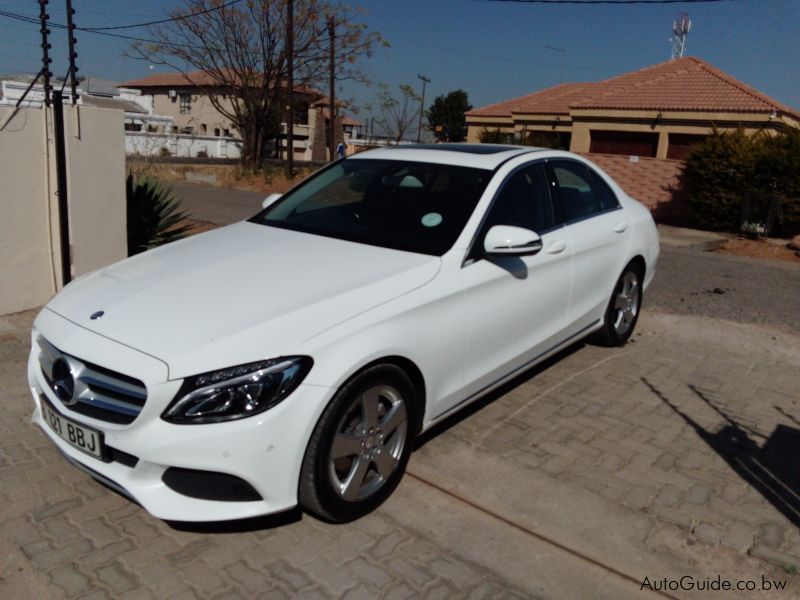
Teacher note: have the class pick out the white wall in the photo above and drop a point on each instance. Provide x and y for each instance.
(96, 185)
(30, 262)
(27, 277)
(184, 145)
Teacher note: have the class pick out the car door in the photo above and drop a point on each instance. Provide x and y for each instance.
(517, 305)
(599, 232)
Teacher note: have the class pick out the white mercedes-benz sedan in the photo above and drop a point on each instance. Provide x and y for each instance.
(294, 357)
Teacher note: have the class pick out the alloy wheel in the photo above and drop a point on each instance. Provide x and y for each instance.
(626, 303)
(368, 443)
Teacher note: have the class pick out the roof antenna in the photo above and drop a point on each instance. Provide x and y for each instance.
(680, 30)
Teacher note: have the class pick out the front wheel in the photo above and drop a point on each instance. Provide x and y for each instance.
(360, 447)
(622, 311)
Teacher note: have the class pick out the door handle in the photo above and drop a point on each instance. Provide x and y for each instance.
(620, 227)
(556, 247)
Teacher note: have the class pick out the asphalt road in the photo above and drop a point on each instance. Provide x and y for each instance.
(688, 282)
(219, 206)
(747, 290)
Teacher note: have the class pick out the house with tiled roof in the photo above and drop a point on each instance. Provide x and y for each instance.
(658, 111)
(184, 97)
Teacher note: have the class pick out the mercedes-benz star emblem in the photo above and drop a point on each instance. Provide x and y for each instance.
(97, 315)
(63, 382)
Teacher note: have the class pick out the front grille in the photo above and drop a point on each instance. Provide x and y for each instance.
(208, 485)
(90, 389)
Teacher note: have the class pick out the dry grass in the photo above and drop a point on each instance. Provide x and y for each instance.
(772, 249)
(268, 180)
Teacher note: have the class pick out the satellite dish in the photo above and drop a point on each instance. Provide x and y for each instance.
(682, 25)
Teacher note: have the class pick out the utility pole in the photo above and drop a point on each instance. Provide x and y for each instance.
(290, 89)
(421, 105)
(332, 91)
(61, 182)
(563, 55)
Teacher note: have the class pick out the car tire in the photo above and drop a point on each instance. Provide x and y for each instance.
(360, 446)
(622, 312)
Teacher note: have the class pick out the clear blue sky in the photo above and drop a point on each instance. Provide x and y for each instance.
(493, 50)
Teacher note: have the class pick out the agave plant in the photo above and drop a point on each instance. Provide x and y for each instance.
(153, 214)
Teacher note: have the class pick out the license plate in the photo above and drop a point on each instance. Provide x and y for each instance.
(78, 436)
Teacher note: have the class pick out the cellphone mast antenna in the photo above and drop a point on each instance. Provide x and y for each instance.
(680, 29)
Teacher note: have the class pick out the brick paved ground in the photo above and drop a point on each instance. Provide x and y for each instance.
(597, 424)
(92, 543)
(672, 426)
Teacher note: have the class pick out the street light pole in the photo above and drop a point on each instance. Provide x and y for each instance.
(421, 106)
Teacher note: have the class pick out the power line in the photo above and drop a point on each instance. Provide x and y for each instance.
(610, 1)
(179, 18)
(497, 57)
(27, 19)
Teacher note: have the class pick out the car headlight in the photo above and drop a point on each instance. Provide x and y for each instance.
(237, 392)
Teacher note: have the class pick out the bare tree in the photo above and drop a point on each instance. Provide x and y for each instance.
(395, 114)
(240, 51)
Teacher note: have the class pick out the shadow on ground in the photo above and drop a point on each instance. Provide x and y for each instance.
(767, 464)
(471, 409)
(240, 525)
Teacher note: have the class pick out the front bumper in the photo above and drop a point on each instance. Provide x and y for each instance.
(265, 450)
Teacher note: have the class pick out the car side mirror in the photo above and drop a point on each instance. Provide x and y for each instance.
(510, 240)
(271, 199)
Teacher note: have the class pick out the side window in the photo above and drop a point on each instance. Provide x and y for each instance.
(575, 190)
(523, 201)
(604, 194)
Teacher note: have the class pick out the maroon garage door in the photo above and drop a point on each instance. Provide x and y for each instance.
(629, 143)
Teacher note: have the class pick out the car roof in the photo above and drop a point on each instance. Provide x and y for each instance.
(479, 156)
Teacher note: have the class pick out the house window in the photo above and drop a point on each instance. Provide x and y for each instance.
(226, 132)
(628, 143)
(203, 128)
(301, 116)
(186, 103)
(216, 131)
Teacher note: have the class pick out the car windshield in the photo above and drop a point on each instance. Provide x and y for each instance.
(417, 207)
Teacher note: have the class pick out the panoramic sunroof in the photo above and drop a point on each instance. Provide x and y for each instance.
(467, 148)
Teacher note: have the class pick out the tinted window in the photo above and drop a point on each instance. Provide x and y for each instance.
(605, 196)
(417, 207)
(575, 190)
(523, 201)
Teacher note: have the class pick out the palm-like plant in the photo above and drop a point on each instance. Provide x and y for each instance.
(153, 214)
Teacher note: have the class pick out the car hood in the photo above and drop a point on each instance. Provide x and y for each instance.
(238, 294)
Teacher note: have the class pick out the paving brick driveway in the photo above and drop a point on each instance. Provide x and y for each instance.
(664, 457)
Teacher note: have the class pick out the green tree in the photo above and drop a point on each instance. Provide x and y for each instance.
(778, 172)
(446, 116)
(731, 176)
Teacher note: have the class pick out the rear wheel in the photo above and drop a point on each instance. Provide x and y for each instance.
(360, 447)
(622, 311)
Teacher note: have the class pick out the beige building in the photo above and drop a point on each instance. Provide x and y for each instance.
(183, 98)
(655, 112)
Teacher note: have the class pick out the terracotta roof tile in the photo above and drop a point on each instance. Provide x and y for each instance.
(688, 84)
(554, 100)
(192, 79)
